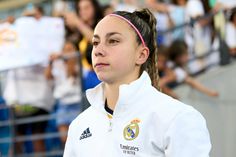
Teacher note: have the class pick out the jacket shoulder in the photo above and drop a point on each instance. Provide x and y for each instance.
(166, 107)
(84, 117)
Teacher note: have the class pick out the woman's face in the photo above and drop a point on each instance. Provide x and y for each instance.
(234, 19)
(161, 62)
(115, 53)
(181, 2)
(69, 49)
(86, 10)
(182, 59)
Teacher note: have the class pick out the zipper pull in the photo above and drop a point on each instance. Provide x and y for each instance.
(109, 116)
(110, 126)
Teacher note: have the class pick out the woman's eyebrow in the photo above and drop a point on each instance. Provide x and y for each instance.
(107, 35)
(112, 33)
(96, 36)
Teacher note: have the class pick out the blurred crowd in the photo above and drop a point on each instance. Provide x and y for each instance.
(192, 35)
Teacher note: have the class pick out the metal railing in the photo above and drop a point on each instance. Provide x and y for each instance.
(12, 122)
(223, 48)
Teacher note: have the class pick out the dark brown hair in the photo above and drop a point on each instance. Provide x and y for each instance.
(177, 49)
(98, 14)
(145, 22)
(233, 13)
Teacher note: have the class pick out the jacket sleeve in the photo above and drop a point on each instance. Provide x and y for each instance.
(187, 136)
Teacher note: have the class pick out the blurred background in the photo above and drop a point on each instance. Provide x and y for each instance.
(45, 66)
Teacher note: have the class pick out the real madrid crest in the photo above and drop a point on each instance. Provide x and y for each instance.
(131, 131)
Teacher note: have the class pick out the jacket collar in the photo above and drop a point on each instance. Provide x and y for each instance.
(128, 93)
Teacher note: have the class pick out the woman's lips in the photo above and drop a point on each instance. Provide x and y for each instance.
(101, 65)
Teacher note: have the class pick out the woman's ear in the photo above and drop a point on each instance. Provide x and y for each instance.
(142, 55)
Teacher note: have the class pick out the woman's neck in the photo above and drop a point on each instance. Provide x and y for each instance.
(90, 22)
(112, 89)
(111, 94)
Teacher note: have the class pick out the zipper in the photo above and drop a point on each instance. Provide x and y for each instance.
(110, 117)
(110, 126)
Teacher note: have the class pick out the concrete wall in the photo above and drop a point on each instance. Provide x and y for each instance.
(220, 113)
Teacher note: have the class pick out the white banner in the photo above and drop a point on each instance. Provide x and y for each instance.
(30, 41)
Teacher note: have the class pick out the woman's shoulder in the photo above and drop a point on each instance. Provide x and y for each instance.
(84, 116)
(164, 105)
(89, 117)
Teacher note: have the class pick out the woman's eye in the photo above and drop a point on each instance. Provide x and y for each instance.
(113, 41)
(95, 43)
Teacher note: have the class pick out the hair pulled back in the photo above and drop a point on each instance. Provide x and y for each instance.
(145, 22)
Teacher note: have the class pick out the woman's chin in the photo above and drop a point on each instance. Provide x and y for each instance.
(102, 78)
(105, 79)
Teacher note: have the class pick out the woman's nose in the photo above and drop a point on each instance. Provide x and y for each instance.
(99, 50)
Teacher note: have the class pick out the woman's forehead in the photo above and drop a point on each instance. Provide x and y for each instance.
(112, 24)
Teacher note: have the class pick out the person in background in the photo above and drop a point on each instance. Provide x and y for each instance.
(9, 19)
(88, 14)
(33, 98)
(230, 36)
(178, 55)
(35, 11)
(177, 14)
(60, 7)
(125, 5)
(30, 94)
(64, 71)
(107, 9)
(162, 12)
(4, 130)
(157, 6)
(222, 4)
(198, 36)
(166, 74)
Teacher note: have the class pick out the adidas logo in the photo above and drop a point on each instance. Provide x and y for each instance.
(85, 134)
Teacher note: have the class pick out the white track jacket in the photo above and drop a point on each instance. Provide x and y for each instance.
(145, 123)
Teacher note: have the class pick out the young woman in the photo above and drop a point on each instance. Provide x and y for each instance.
(128, 115)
